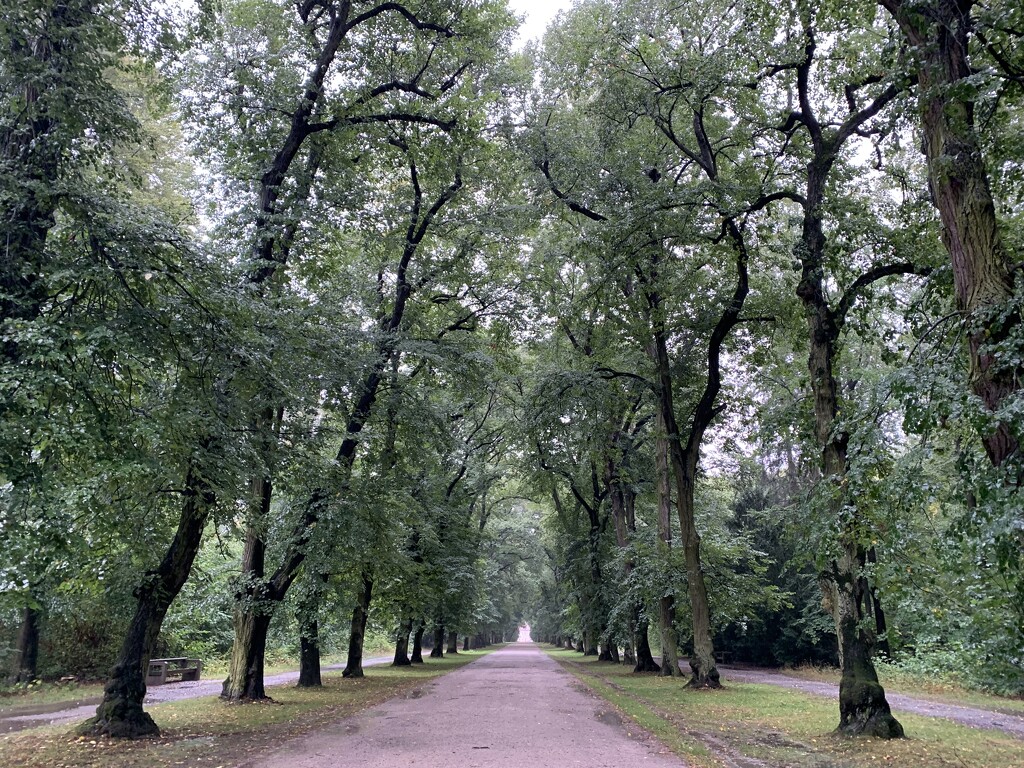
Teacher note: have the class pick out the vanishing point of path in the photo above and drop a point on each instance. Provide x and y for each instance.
(514, 708)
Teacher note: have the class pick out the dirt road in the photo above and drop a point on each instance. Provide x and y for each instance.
(514, 708)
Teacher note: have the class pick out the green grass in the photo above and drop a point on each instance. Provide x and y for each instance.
(207, 731)
(781, 726)
(20, 698)
(41, 693)
(946, 691)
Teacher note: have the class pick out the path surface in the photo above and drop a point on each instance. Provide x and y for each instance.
(514, 708)
(56, 714)
(972, 716)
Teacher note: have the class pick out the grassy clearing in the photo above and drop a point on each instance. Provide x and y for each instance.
(780, 727)
(947, 691)
(206, 731)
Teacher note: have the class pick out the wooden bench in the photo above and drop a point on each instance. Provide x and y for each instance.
(168, 670)
(723, 657)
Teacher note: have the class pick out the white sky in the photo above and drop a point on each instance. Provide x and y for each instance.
(538, 13)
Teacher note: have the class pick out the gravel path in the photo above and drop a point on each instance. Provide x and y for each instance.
(157, 694)
(972, 716)
(513, 708)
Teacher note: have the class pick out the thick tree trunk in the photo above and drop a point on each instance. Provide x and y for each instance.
(702, 662)
(628, 655)
(939, 32)
(253, 609)
(417, 643)
(669, 639)
(453, 642)
(354, 665)
(644, 658)
(465, 643)
(863, 707)
(120, 714)
(437, 652)
(248, 654)
(309, 658)
(402, 645)
(25, 667)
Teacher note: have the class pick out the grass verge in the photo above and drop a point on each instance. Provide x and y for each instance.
(764, 725)
(209, 732)
(946, 691)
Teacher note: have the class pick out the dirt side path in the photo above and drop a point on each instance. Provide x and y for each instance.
(513, 708)
(972, 716)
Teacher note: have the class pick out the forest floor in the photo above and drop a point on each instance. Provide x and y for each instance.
(765, 719)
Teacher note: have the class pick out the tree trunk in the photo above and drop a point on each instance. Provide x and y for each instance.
(28, 648)
(702, 662)
(939, 33)
(120, 714)
(863, 707)
(354, 665)
(245, 671)
(666, 605)
(669, 640)
(253, 609)
(683, 463)
(309, 657)
(417, 643)
(628, 656)
(437, 652)
(644, 658)
(453, 642)
(465, 643)
(402, 645)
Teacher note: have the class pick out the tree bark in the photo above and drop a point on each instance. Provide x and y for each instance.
(245, 677)
(644, 658)
(453, 642)
(939, 33)
(666, 604)
(254, 606)
(437, 652)
(402, 645)
(354, 665)
(26, 667)
(309, 657)
(465, 643)
(120, 713)
(417, 643)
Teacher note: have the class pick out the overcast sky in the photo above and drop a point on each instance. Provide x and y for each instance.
(538, 14)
